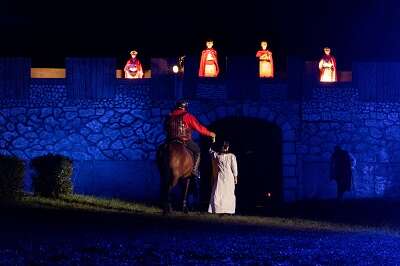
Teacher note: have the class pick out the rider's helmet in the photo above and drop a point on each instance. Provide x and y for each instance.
(182, 104)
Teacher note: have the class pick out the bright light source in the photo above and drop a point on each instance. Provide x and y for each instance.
(175, 69)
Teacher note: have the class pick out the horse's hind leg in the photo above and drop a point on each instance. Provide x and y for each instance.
(167, 202)
(167, 199)
(185, 208)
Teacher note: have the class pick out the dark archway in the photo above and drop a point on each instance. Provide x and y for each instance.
(257, 145)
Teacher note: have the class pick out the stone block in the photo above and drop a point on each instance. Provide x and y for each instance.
(46, 112)
(95, 138)
(17, 111)
(127, 132)
(375, 133)
(117, 145)
(95, 126)
(20, 143)
(290, 183)
(289, 171)
(87, 112)
(106, 117)
(288, 147)
(71, 115)
(104, 144)
(112, 133)
(127, 119)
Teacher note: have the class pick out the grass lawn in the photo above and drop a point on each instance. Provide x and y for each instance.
(84, 230)
(296, 217)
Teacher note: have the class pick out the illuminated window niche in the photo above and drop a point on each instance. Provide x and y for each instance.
(133, 68)
(209, 62)
(327, 67)
(266, 69)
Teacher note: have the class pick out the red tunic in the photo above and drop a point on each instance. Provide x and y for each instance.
(204, 61)
(191, 122)
(266, 65)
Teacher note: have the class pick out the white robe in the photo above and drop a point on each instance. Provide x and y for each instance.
(225, 172)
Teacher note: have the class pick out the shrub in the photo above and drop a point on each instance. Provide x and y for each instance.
(12, 171)
(52, 175)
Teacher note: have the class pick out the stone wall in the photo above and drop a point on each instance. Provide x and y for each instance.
(370, 132)
(124, 128)
(113, 141)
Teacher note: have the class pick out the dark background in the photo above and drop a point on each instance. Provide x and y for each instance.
(48, 31)
(259, 158)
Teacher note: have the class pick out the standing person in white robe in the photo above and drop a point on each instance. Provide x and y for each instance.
(225, 174)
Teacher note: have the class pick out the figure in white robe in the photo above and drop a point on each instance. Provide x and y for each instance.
(327, 67)
(225, 173)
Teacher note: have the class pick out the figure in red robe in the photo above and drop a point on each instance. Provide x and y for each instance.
(133, 68)
(327, 67)
(266, 61)
(209, 62)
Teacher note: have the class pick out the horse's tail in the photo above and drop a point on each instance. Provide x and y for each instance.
(162, 157)
(160, 154)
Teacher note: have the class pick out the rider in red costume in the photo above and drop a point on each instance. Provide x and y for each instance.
(179, 126)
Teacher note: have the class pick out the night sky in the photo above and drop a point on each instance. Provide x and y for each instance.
(49, 31)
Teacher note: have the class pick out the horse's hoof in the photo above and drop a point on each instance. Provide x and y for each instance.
(167, 209)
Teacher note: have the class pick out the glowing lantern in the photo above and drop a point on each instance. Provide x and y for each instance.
(175, 69)
(327, 67)
(209, 62)
(133, 68)
(266, 61)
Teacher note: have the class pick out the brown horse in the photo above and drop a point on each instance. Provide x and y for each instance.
(175, 162)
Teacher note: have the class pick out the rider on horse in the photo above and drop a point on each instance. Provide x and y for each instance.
(179, 126)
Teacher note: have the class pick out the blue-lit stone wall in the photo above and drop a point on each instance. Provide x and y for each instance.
(113, 141)
(370, 132)
(124, 130)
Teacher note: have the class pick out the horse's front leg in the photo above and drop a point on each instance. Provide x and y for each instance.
(185, 195)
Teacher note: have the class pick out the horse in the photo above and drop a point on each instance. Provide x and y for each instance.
(175, 163)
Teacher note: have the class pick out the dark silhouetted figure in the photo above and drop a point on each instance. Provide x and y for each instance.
(341, 171)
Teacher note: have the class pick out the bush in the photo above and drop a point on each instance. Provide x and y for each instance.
(12, 171)
(53, 175)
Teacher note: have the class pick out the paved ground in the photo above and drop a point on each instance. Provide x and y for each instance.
(50, 237)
